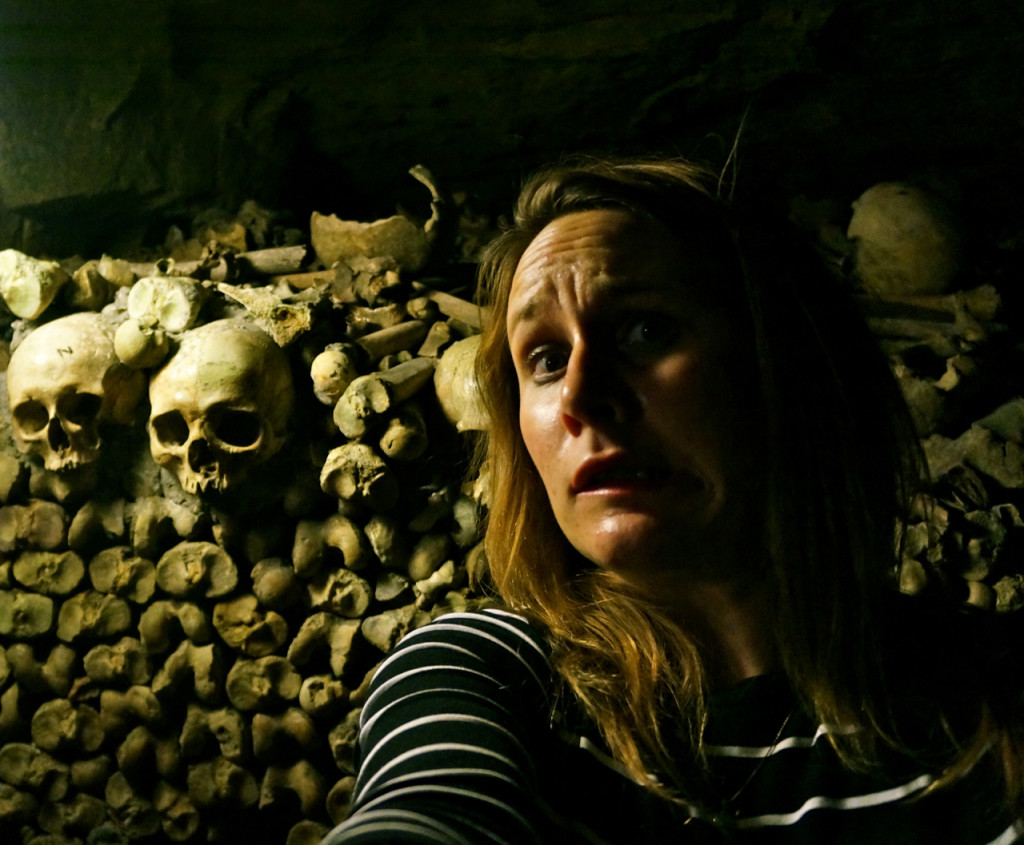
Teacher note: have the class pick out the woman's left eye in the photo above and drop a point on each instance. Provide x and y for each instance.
(649, 332)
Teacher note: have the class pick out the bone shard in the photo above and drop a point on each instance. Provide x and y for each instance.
(119, 571)
(200, 664)
(222, 783)
(24, 615)
(340, 591)
(263, 683)
(195, 569)
(284, 737)
(170, 303)
(324, 631)
(356, 473)
(162, 620)
(92, 615)
(332, 371)
(27, 284)
(38, 525)
(96, 523)
(323, 696)
(396, 237)
(373, 395)
(457, 388)
(27, 767)
(405, 437)
(132, 813)
(247, 628)
(300, 780)
(60, 726)
(50, 573)
(224, 727)
(126, 663)
(275, 584)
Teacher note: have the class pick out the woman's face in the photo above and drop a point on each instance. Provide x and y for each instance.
(634, 404)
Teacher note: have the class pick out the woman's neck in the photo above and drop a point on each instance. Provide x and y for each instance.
(730, 622)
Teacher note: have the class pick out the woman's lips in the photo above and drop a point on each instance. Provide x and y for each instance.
(615, 472)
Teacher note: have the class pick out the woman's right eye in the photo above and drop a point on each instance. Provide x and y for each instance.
(546, 361)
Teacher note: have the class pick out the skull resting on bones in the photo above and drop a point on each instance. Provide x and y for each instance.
(220, 405)
(64, 382)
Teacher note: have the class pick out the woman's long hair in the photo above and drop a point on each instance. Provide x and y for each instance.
(839, 463)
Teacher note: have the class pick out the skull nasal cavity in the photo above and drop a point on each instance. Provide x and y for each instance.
(56, 436)
(235, 428)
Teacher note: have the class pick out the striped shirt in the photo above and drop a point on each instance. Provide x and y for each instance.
(457, 745)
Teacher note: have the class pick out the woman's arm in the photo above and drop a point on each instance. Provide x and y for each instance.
(446, 735)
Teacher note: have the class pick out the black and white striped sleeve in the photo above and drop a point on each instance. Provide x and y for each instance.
(446, 736)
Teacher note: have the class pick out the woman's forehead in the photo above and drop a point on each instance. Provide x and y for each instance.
(605, 248)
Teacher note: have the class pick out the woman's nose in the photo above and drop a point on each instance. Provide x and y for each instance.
(593, 392)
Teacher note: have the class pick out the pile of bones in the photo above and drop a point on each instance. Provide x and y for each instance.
(233, 477)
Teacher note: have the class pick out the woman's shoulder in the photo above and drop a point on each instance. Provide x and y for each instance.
(489, 631)
(491, 645)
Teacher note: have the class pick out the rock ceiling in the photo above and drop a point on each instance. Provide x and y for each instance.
(114, 113)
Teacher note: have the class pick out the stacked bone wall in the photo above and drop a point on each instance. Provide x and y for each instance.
(205, 551)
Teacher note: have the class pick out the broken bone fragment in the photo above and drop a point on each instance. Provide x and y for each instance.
(397, 237)
(905, 241)
(170, 303)
(119, 571)
(25, 615)
(28, 285)
(456, 385)
(50, 573)
(59, 726)
(163, 620)
(320, 632)
(374, 395)
(356, 473)
(262, 683)
(92, 615)
(125, 663)
(200, 664)
(248, 628)
(195, 569)
(140, 346)
(282, 314)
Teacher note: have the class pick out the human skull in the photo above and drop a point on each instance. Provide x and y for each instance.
(64, 382)
(220, 405)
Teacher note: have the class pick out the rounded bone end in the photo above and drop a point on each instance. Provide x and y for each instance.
(140, 347)
(457, 388)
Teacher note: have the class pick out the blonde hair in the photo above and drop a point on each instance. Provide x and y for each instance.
(840, 460)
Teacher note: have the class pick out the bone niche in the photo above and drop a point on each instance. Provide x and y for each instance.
(220, 406)
(64, 383)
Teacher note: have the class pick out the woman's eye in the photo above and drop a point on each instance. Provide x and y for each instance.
(546, 361)
(651, 332)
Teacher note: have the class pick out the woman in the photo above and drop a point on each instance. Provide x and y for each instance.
(698, 462)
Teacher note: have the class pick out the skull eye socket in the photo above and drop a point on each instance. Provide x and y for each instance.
(79, 408)
(170, 428)
(31, 416)
(240, 429)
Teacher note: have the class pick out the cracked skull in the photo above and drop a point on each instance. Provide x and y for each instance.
(220, 405)
(64, 382)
